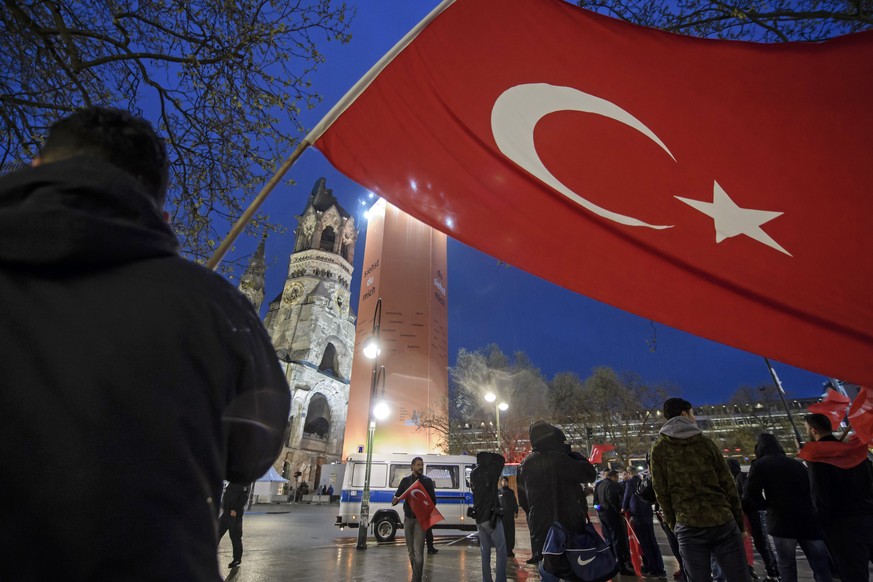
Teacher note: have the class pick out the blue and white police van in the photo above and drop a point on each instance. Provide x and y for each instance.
(451, 479)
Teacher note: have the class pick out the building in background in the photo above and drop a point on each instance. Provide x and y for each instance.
(405, 267)
(313, 331)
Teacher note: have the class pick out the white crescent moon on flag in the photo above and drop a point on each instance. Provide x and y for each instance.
(516, 113)
(420, 492)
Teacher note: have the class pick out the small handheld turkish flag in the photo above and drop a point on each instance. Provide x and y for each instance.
(422, 506)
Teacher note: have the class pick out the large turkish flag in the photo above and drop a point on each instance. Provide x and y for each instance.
(719, 187)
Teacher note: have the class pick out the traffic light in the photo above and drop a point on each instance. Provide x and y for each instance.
(589, 432)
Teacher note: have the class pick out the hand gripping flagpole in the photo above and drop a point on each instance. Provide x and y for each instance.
(319, 129)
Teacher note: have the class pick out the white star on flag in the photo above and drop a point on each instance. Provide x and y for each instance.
(731, 220)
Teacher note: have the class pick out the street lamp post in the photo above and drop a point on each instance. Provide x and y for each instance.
(503, 406)
(371, 350)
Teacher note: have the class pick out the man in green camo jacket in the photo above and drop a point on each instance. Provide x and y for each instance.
(698, 496)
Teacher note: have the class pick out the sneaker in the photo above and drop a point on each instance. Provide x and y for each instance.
(626, 572)
(235, 563)
(532, 560)
(432, 550)
(510, 554)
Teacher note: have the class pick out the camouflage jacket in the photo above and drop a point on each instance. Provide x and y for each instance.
(692, 481)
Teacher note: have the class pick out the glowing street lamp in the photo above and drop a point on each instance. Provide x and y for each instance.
(378, 411)
(501, 407)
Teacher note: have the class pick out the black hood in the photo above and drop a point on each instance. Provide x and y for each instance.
(78, 213)
(545, 437)
(768, 445)
(485, 459)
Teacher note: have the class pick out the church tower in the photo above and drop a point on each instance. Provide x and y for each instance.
(313, 331)
(252, 282)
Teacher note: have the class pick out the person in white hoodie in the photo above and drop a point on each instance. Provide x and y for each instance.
(698, 496)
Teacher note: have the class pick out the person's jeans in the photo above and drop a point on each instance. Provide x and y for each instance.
(492, 537)
(816, 554)
(698, 544)
(415, 546)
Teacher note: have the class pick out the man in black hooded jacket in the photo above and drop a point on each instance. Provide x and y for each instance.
(781, 486)
(550, 485)
(139, 378)
(489, 520)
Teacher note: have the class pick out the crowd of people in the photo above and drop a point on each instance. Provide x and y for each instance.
(164, 383)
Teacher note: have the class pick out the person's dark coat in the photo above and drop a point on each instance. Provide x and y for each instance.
(838, 493)
(785, 483)
(550, 484)
(236, 497)
(408, 482)
(508, 503)
(633, 503)
(483, 484)
(137, 378)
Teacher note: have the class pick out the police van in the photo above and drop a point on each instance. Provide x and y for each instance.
(451, 479)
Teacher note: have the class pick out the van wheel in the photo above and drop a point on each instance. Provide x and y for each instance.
(384, 529)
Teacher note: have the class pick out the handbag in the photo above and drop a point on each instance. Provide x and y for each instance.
(578, 556)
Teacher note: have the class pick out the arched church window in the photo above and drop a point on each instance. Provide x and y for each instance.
(328, 239)
(317, 417)
(330, 361)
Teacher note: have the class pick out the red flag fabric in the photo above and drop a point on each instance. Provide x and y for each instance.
(635, 554)
(422, 506)
(596, 456)
(834, 406)
(844, 455)
(861, 416)
(714, 186)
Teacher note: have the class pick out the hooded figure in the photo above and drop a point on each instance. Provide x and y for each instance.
(791, 518)
(785, 482)
(141, 378)
(550, 485)
(486, 504)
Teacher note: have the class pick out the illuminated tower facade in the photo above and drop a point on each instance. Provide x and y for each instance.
(405, 266)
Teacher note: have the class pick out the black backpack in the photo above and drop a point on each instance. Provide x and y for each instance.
(645, 490)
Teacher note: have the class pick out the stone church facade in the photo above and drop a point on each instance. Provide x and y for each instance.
(313, 332)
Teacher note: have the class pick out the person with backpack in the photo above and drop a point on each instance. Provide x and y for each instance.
(641, 518)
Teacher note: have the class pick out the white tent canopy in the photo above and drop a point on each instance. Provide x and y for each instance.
(271, 476)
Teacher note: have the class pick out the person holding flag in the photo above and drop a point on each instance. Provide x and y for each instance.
(420, 513)
(841, 480)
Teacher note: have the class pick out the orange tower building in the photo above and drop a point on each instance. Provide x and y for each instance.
(405, 266)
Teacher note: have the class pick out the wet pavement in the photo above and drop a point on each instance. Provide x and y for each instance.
(299, 542)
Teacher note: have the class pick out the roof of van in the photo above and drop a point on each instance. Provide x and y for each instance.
(407, 458)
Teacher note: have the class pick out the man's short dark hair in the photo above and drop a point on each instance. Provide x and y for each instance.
(114, 136)
(819, 422)
(675, 407)
(412, 462)
(611, 473)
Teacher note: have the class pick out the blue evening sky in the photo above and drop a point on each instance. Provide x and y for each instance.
(558, 329)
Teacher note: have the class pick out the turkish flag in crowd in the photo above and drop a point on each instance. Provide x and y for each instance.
(861, 416)
(719, 187)
(636, 555)
(422, 506)
(834, 406)
(596, 456)
(844, 455)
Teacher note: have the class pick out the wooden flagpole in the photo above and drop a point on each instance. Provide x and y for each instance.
(241, 222)
(319, 129)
